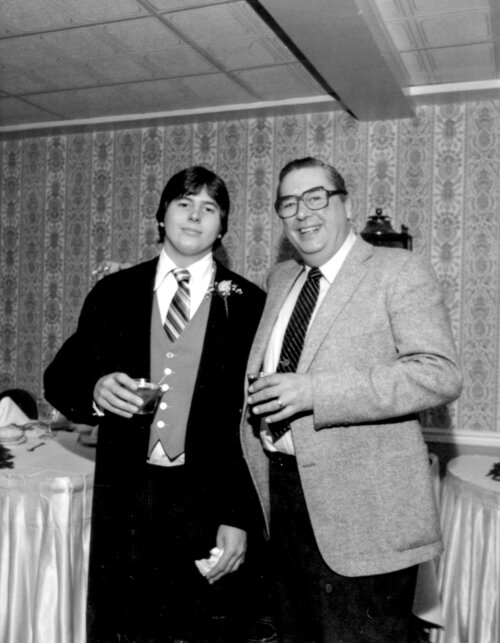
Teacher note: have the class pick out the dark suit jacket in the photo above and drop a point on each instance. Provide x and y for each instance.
(113, 334)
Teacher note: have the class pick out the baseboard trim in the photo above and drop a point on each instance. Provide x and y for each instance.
(465, 438)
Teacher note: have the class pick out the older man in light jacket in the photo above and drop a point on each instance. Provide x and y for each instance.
(333, 442)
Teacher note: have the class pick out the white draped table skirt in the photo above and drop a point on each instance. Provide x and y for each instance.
(45, 511)
(469, 569)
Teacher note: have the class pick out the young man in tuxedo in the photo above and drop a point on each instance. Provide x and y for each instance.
(353, 343)
(172, 485)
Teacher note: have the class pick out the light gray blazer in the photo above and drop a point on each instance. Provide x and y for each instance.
(379, 351)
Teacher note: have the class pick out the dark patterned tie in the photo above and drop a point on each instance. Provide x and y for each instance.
(178, 313)
(295, 333)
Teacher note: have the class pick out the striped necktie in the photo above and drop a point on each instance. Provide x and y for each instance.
(295, 334)
(178, 313)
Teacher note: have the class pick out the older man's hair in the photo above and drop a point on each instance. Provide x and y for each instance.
(299, 164)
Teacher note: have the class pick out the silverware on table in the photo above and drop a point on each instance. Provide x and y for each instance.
(40, 444)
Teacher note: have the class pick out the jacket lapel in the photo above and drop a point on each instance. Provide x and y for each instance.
(340, 292)
(213, 351)
(216, 324)
(276, 296)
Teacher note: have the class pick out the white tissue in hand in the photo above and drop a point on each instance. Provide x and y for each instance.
(205, 564)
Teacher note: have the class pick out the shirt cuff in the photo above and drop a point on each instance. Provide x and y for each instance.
(97, 411)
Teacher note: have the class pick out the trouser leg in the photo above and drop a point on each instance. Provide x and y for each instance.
(316, 603)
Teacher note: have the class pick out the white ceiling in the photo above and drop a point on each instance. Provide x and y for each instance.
(89, 60)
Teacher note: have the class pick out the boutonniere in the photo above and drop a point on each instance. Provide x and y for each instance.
(224, 289)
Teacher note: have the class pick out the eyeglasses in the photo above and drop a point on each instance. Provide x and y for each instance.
(313, 199)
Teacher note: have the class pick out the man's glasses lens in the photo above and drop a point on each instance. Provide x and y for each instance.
(313, 199)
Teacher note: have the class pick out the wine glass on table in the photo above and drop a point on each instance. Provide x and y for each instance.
(47, 417)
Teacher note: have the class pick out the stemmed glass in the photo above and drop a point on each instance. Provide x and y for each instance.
(47, 415)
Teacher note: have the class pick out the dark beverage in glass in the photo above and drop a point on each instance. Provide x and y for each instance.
(150, 393)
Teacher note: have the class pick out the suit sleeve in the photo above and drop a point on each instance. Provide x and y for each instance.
(70, 378)
(410, 365)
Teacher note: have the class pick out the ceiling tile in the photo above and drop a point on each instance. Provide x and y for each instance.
(5, 31)
(445, 6)
(402, 34)
(178, 62)
(158, 96)
(453, 29)
(471, 74)
(214, 24)
(21, 82)
(284, 81)
(390, 9)
(117, 69)
(83, 103)
(209, 90)
(466, 57)
(250, 53)
(67, 76)
(142, 36)
(25, 51)
(17, 112)
(174, 5)
(35, 15)
(78, 43)
(98, 10)
(418, 71)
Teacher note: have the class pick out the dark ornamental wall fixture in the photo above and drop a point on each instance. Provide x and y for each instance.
(379, 232)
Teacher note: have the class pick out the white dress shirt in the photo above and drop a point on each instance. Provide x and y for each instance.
(166, 284)
(329, 271)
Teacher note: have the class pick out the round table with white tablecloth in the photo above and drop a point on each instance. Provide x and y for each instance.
(469, 569)
(45, 511)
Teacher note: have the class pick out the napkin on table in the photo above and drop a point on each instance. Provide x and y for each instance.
(10, 413)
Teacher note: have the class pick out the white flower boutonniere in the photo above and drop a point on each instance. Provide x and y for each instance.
(224, 289)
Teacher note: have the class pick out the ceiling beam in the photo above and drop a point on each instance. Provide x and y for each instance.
(334, 38)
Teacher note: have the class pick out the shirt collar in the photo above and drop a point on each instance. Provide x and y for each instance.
(197, 270)
(332, 266)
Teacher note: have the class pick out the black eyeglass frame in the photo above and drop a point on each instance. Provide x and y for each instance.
(329, 194)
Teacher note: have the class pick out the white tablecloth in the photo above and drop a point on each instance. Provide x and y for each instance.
(45, 509)
(469, 569)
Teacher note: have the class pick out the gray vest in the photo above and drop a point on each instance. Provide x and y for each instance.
(176, 363)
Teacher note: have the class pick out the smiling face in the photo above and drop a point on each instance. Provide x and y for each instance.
(316, 234)
(192, 225)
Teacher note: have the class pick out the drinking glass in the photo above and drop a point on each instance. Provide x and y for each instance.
(150, 393)
(47, 415)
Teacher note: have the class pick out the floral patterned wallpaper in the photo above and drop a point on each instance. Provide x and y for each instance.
(71, 200)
